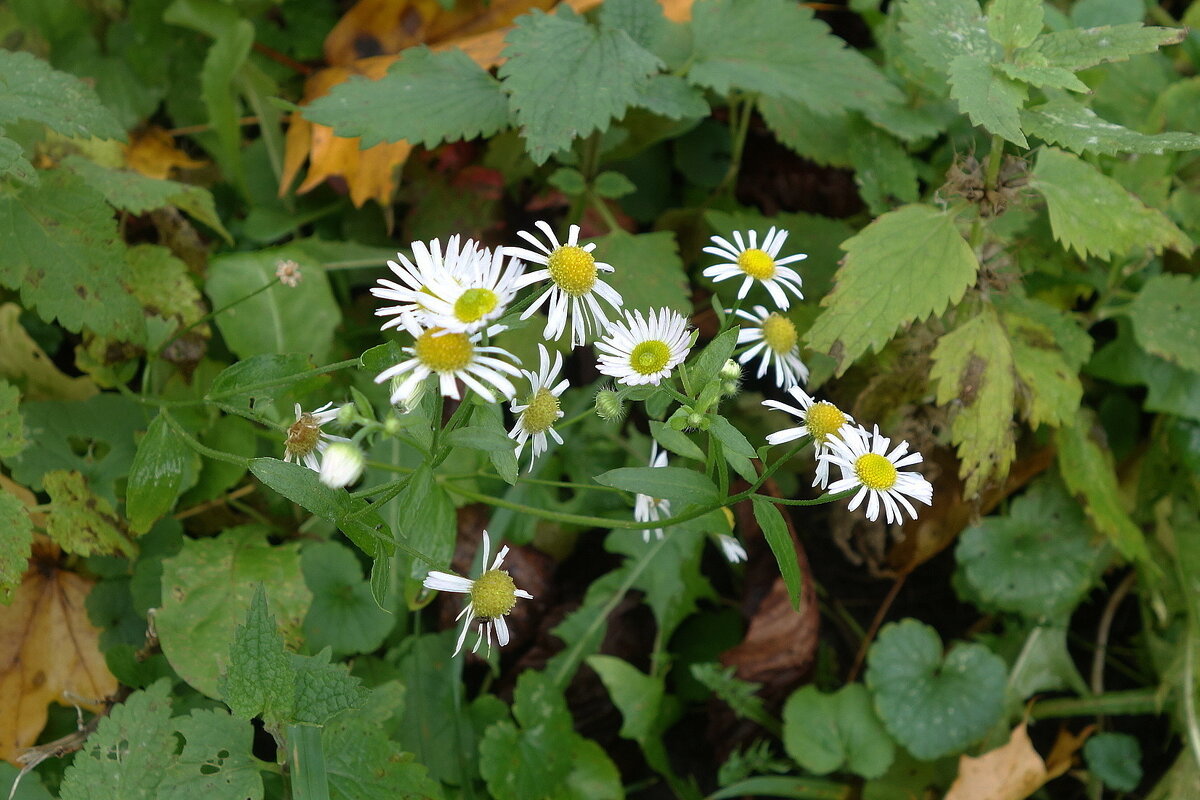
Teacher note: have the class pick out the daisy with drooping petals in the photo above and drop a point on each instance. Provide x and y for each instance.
(652, 509)
(732, 548)
(476, 296)
(305, 439)
(819, 419)
(776, 340)
(757, 264)
(539, 412)
(452, 357)
(432, 267)
(877, 476)
(641, 351)
(574, 273)
(493, 594)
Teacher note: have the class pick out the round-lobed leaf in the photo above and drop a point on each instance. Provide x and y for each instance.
(1116, 759)
(825, 732)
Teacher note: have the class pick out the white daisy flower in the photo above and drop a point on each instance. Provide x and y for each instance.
(732, 548)
(539, 412)
(305, 439)
(475, 296)
(652, 509)
(452, 357)
(757, 264)
(342, 465)
(819, 419)
(641, 351)
(574, 274)
(493, 594)
(431, 267)
(877, 476)
(775, 339)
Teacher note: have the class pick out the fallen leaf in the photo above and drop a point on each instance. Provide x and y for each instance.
(24, 364)
(1014, 770)
(49, 652)
(153, 153)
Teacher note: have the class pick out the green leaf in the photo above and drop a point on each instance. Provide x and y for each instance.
(664, 483)
(323, 689)
(222, 63)
(825, 140)
(12, 429)
(670, 96)
(259, 680)
(1043, 664)
(216, 762)
(1087, 469)
(164, 287)
(640, 698)
(1116, 759)
(568, 180)
(207, 589)
(1043, 77)
(426, 520)
(643, 20)
(676, 441)
(776, 532)
(941, 30)
(15, 545)
(1080, 48)
(63, 252)
(262, 376)
(343, 614)
(1171, 390)
(706, 366)
(425, 98)
(490, 417)
(31, 90)
(933, 704)
(429, 724)
(81, 522)
(156, 475)
(973, 369)
(671, 581)
(130, 191)
(566, 79)
(1071, 124)
(885, 174)
(127, 756)
(1037, 560)
(649, 272)
(14, 164)
(1166, 319)
(824, 732)
(530, 761)
(737, 449)
(1094, 214)
(1015, 23)
(780, 49)
(282, 319)
(1050, 390)
(906, 265)
(613, 184)
(992, 101)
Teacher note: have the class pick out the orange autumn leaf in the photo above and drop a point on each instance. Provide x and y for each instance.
(153, 153)
(49, 652)
(1014, 770)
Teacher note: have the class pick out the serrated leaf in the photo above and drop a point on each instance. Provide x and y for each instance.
(1171, 389)
(30, 89)
(665, 483)
(1050, 387)
(825, 140)
(63, 252)
(566, 79)
(991, 100)
(259, 679)
(934, 703)
(1166, 319)
(363, 763)
(1076, 127)
(613, 184)
(823, 732)
(425, 98)
(164, 287)
(973, 369)
(322, 689)
(216, 762)
(14, 164)
(1116, 759)
(156, 475)
(12, 427)
(741, 696)
(649, 272)
(1037, 561)
(906, 265)
(1093, 214)
(780, 49)
(670, 96)
(776, 532)
(79, 521)
(1042, 76)
(942, 30)
(530, 761)
(1015, 23)
(343, 614)
(643, 20)
(883, 171)
(15, 545)
(1080, 48)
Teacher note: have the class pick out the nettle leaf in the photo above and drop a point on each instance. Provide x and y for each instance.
(1037, 561)
(426, 520)
(883, 171)
(1036, 72)
(992, 101)
(343, 614)
(12, 428)
(906, 265)
(1015, 23)
(13, 163)
(1050, 390)
(934, 703)
(1080, 48)
(1071, 124)
(156, 475)
(31, 90)
(566, 78)
(216, 762)
(323, 689)
(670, 96)
(16, 544)
(1094, 214)
(1171, 389)
(63, 252)
(941, 30)
(780, 49)
(425, 98)
(973, 369)
(649, 272)
(643, 20)
(259, 680)
(1166, 319)
(825, 140)
(824, 732)
(80, 522)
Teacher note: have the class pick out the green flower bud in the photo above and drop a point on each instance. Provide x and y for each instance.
(609, 406)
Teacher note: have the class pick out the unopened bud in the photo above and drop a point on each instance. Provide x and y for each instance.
(730, 388)
(392, 426)
(609, 406)
(731, 371)
(697, 421)
(341, 465)
(347, 414)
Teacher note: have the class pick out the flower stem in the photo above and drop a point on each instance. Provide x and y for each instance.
(212, 315)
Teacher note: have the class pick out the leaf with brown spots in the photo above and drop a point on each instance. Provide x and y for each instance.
(49, 652)
(80, 521)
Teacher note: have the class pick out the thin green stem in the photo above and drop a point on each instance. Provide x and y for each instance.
(995, 159)
(603, 210)
(819, 501)
(212, 315)
(453, 423)
(1133, 701)
(218, 455)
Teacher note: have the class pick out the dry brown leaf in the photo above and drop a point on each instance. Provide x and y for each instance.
(1013, 771)
(153, 153)
(49, 652)
(24, 364)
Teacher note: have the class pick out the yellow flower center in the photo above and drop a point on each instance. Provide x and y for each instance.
(875, 471)
(542, 412)
(494, 594)
(757, 264)
(474, 304)
(572, 269)
(823, 420)
(302, 437)
(780, 333)
(649, 357)
(444, 352)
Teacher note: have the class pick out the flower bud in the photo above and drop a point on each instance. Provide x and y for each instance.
(697, 421)
(731, 371)
(347, 414)
(341, 465)
(392, 425)
(609, 406)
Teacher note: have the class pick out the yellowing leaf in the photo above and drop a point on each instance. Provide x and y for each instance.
(154, 154)
(81, 522)
(1014, 770)
(24, 364)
